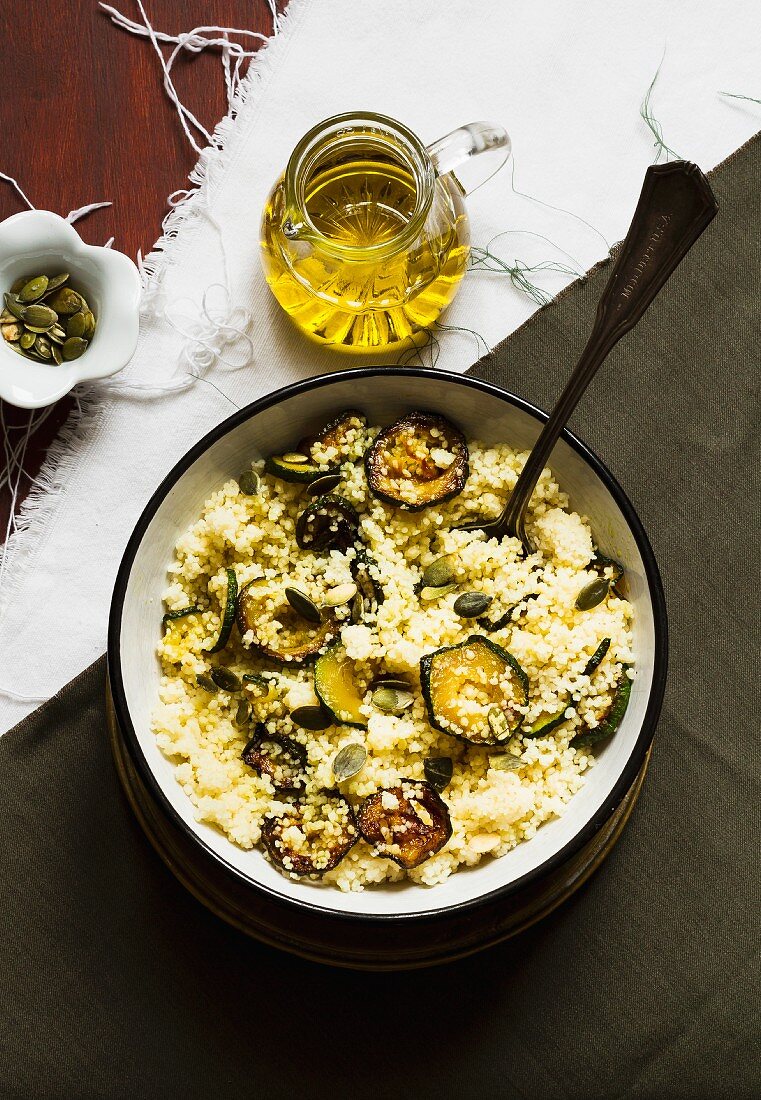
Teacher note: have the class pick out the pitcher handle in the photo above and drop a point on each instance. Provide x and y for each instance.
(459, 149)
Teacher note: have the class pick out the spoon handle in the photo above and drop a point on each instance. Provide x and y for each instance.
(675, 206)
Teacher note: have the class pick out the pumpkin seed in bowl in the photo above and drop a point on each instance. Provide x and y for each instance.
(46, 320)
(388, 696)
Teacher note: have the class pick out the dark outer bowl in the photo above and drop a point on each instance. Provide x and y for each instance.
(362, 939)
(369, 944)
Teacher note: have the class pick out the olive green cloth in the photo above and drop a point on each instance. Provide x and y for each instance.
(116, 983)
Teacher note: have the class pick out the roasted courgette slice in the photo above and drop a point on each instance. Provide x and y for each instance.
(281, 758)
(286, 470)
(473, 690)
(312, 836)
(612, 718)
(596, 657)
(328, 523)
(340, 433)
(295, 640)
(228, 613)
(365, 572)
(408, 823)
(336, 686)
(180, 613)
(546, 724)
(503, 620)
(336, 437)
(420, 460)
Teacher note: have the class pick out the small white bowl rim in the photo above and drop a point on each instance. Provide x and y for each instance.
(119, 281)
(583, 835)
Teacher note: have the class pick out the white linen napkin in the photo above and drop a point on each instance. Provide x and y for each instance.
(566, 78)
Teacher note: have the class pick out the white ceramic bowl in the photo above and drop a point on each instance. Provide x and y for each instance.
(37, 241)
(271, 425)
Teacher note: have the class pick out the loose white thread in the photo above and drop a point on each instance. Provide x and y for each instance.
(75, 215)
(208, 336)
(15, 455)
(71, 217)
(195, 41)
(14, 184)
(15, 463)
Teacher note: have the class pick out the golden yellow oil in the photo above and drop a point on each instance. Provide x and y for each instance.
(351, 300)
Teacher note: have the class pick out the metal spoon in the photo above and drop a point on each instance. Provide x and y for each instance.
(675, 206)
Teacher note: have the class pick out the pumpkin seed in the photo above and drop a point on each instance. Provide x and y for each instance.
(242, 714)
(248, 482)
(392, 700)
(505, 762)
(225, 679)
(438, 771)
(328, 523)
(12, 332)
(56, 281)
(13, 306)
(498, 723)
(437, 593)
(37, 303)
(39, 317)
(348, 761)
(65, 300)
(312, 717)
(295, 458)
(592, 594)
(17, 348)
(42, 347)
(395, 682)
(206, 683)
(439, 572)
(341, 594)
(33, 289)
(303, 606)
(471, 604)
(76, 324)
(322, 485)
(73, 348)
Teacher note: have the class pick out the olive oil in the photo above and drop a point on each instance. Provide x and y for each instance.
(367, 259)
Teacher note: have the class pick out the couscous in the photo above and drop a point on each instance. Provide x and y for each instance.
(363, 690)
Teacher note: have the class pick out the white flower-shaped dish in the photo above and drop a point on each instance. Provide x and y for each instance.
(37, 241)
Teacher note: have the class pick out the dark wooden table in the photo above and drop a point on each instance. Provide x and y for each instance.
(99, 126)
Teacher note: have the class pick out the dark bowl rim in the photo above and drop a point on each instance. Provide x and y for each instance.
(652, 712)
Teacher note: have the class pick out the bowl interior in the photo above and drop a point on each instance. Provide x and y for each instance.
(273, 425)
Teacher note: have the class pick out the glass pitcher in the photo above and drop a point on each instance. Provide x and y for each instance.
(365, 236)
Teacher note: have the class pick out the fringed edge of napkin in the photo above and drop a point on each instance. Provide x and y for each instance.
(70, 448)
